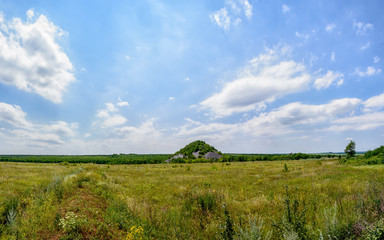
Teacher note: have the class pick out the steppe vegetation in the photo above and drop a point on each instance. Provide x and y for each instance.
(306, 199)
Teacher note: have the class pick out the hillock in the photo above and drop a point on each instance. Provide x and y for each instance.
(196, 150)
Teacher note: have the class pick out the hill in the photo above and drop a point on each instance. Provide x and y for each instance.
(196, 149)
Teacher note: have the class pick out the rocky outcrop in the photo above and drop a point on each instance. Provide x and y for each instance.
(212, 155)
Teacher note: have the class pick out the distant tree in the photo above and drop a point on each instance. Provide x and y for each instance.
(350, 149)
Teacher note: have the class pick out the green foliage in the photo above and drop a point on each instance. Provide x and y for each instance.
(375, 157)
(375, 231)
(376, 152)
(350, 149)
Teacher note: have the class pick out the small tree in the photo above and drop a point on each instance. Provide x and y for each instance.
(350, 149)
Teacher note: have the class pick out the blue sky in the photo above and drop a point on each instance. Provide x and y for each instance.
(92, 77)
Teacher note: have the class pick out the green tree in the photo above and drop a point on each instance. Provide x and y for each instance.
(350, 149)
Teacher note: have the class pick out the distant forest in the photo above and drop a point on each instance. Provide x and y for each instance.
(155, 158)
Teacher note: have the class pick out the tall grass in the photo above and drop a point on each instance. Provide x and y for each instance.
(247, 200)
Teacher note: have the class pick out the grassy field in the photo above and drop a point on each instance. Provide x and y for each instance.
(306, 199)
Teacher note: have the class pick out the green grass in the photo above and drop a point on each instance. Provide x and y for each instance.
(307, 199)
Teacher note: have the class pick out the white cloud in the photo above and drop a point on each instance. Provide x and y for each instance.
(326, 80)
(287, 119)
(376, 59)
(143, 138)
(30, 14)
(369, 72)
(32, 60)
(247, 8)
(21, 132)
(109, 117)
(232, 4)
(285, 8)
(12, 115)
(264, 79)
(366, 46)
(171, 98)
(333, 59)
(230, 15)
(363, 122)
(221, 18)
(330, 27)
(298, 114)
(187, 79)
(375, 102)
(127, 58)
(362, 28)
(302, 35)
(122, 104)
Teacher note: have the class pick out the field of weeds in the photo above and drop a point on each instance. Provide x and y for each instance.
(307, 199)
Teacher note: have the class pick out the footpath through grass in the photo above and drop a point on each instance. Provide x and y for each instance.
(249, 200)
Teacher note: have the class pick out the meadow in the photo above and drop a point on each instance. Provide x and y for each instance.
(296, 199)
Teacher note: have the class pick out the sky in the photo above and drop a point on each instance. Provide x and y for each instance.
(150, 76)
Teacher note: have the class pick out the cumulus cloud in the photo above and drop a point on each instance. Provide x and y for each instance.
(20, 131)
(376, 59)
(369, 72)
(264, 79)
(362, 28)
(32, 59)
(108, 117)
(330, 77)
